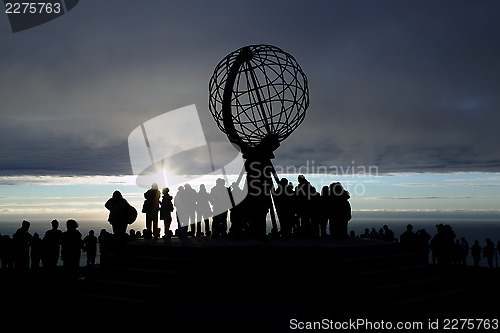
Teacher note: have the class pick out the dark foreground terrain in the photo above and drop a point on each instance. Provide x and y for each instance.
(200, 284)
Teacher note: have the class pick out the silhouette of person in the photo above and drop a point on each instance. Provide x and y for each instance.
(443, 245)
(303, 196)
(366, 234)
(381, 234)
(151, 207)
(344, 214)
(283, 196)
(189, 197)
(52, 245)
(180, 205)
(117, 206)
(203, 211)
(475, 251)
(22, 239)
(90, 246)
(422, 239)
(219, 197)
(407, 239)
(489, 252)
(340, 211)
(388, 234)
(36, 245)
(105, 246)
(166, 209)
(71, 248)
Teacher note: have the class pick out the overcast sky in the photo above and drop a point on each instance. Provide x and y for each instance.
(403, 85)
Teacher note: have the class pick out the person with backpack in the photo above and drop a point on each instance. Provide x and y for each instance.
(121, 214)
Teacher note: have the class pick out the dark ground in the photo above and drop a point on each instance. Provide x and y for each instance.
(199, 284)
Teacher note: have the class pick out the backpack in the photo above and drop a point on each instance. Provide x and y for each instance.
(130, 214)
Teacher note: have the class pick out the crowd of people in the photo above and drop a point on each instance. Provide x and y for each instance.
(301, 211)
(24, 250)
(445, 248)
(448, 250)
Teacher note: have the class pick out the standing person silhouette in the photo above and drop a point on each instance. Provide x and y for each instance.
(180, 206)
(219, 197)
(36, 245)
(237, 212)
(117, 207)
(90, 246)
(489, 252)
(71, 248)
(21, 241)
(303, 207)
(340, 213)
(190, 207)
(283, 208)
(166, 210)
(408, 239)
(52, 245)
(151, 207)
(203, 211)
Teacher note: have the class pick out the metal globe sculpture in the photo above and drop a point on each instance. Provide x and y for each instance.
(258, 96)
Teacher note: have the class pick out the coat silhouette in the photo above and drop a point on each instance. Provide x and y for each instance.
(166, 209)
(151, 207)
(71, 247)
(189, 197)
(219, 198)
(21, 242)
(52, 245)
(118, 213)
(90, 247)
(203, 210)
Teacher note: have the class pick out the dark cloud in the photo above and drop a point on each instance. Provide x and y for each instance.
(406, 86)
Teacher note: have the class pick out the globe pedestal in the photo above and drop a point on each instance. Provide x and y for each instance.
(260, 184)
